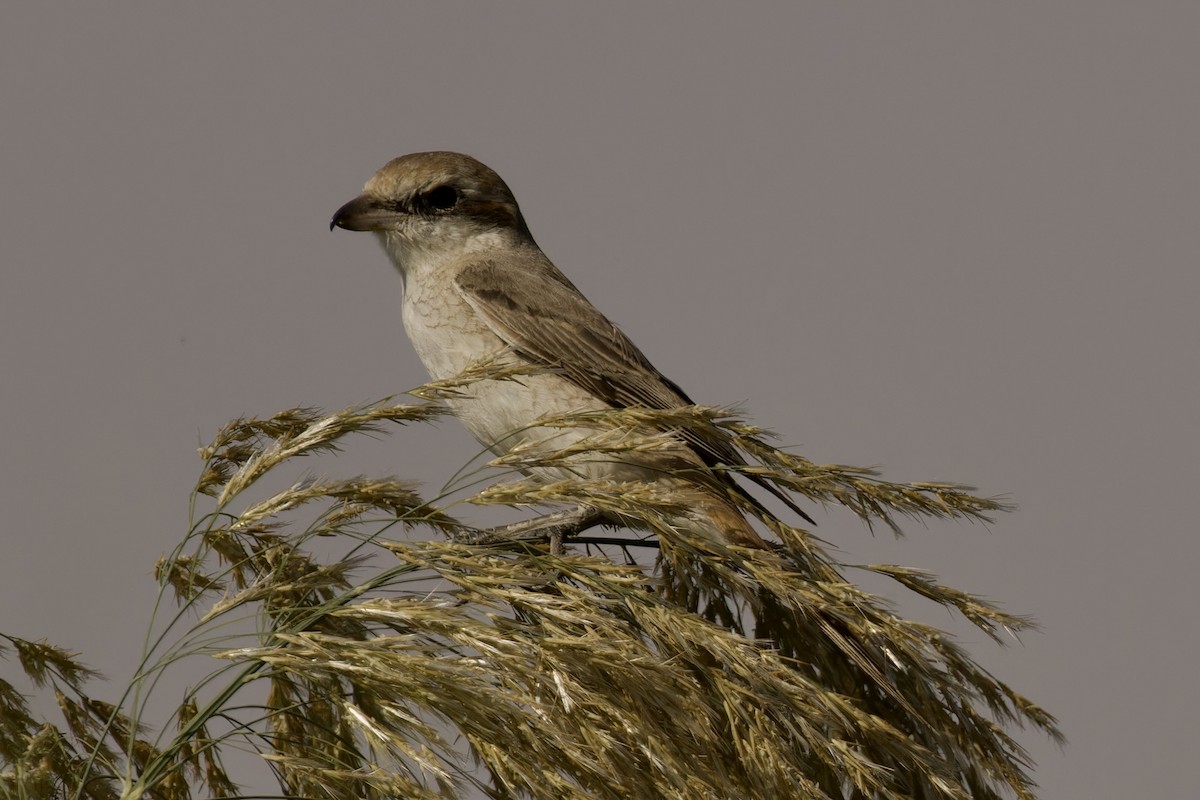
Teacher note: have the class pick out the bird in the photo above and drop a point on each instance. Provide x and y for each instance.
(477, 289)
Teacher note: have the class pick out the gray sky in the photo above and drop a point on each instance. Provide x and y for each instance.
(956, 240)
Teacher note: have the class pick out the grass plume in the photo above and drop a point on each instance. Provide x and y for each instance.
(409, 664)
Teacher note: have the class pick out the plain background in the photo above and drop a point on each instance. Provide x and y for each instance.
(956, 240)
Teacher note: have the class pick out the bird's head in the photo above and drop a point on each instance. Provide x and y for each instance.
(435, 204)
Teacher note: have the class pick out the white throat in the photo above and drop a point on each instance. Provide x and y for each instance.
(433, 245)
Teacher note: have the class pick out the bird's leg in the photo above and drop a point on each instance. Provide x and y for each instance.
(554, 526)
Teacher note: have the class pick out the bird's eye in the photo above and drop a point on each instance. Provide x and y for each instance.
(442, 198)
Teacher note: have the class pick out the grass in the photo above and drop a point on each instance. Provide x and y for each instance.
(410, 664)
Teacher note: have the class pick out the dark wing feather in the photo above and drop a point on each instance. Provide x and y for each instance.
(539, 313)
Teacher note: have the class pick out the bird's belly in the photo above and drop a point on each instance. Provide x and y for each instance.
(503, 416)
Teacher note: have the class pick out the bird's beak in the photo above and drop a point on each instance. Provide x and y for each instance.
(364, 213)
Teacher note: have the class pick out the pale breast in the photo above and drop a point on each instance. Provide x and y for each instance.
(449, 337)
(445, 332)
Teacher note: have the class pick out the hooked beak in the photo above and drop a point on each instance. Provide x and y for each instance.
(364, 213)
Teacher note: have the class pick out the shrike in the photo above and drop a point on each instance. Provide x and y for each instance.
(478, 288)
